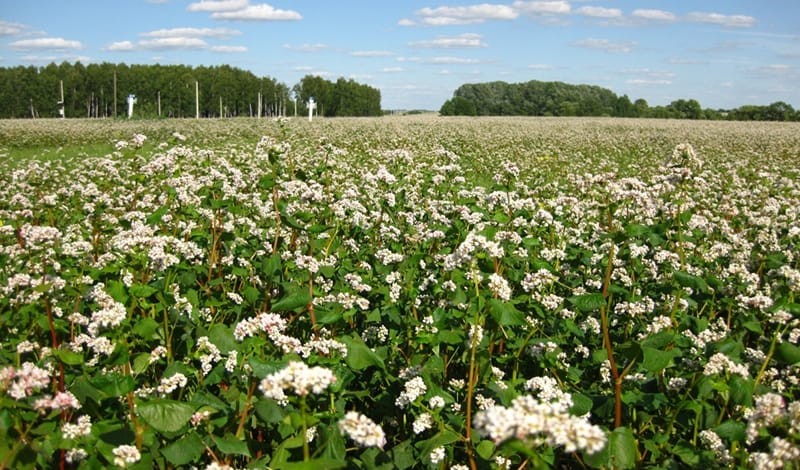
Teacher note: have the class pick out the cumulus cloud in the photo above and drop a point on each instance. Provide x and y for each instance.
(540, 66)
(218, 5)
(260, 12)
(606, 45)
(11, 29)
(600, 12)
(192, 32)
(371, 54)
(306, 47)
(648, 82)
(466, 40)
(393, 69)
(227, 49)
(120, 46)
(173, 43)
(451, 60)
(653, 15)
(58, 44)
(558, 7)
(731, 21)
(450, 15)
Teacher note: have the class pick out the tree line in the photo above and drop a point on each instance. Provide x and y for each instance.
(537, 98)
(101, 90)
(339, 98)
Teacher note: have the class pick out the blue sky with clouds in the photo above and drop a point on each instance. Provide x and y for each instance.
(724, 53)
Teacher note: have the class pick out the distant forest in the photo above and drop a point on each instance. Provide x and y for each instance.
(101, 90)
(536, 98)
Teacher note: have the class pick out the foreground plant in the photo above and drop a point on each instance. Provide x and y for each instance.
(455, 295)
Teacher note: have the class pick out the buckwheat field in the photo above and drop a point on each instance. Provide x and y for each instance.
(399, 292)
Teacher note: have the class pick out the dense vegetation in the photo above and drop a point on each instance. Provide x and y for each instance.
(397, 293)
(169, 91)
(537, 98)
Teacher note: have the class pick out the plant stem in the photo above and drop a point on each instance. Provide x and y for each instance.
(246, 409)
(607, 341)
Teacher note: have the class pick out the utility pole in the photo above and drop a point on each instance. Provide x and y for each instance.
(61, 103)
(115, 93)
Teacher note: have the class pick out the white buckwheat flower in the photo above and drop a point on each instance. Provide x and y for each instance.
(362, 430)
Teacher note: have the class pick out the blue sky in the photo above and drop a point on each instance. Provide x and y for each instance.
(724, 53)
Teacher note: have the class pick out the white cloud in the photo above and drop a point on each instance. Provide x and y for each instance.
(600, 12)
(11, 29)
(733, 21)
(228, 49)
(218, 5)
(58, 44)
(683, 61)
(648, 82)
(120, 46)
(451, 60)
(359, 76)
(306, 47)
(371, 54)
(649, 74)
(173, 43)
(557, 7)
(406, 22)
(606, 45)
(449, 15)
(466, 40)
(260, 12)
(192, 32)
(653, 15)
(303, 68)
(444, 72)
(540, 66)
(393, 69)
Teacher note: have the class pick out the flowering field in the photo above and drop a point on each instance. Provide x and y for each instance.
(399, 293)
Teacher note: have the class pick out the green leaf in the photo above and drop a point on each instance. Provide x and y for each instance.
(165, 415)
(145, 328)
(622, 446)
(581, 404)
(687, 453)
(787, 353)
(314, 464)
(505, 314)
(731, 430)
(485, 449)
(269, 411)
(359, 356)
(113, 385)
(156, 216)
(68, 357)
(656, 360)
(185, 450)
(445, 437)
(203, 398)
(689, 280)
(403, 455)
(142, 291)
(588, 302)
(297, 299)
(232, 445)
(141, 362)
(222, 337)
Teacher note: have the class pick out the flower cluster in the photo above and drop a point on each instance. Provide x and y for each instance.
(298, 378)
